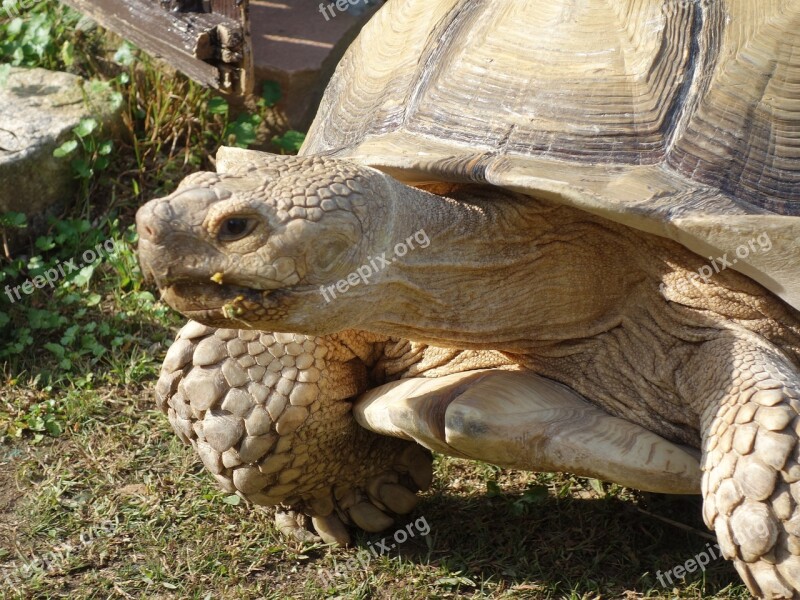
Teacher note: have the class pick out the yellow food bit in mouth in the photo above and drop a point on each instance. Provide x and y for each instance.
(230, 310)
(217, 277)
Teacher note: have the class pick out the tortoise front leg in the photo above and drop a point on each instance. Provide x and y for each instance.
(751, 459)
(269, 416)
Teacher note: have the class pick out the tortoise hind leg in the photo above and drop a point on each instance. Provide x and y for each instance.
(520, 420)
(751, 479)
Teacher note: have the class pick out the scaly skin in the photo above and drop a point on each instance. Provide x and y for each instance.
(612, 312)
(270, 418)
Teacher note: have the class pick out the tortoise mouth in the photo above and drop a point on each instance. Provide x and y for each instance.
(211, 300)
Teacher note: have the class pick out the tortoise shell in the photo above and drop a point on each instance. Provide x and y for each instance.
(677, 117)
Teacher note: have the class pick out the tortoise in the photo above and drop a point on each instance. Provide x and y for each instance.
(554, 236)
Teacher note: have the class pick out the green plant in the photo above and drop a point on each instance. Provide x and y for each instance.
(92, 157)
(46, 34)
(73, 309)
(243, 131)
(10, 220)
(289, 142)
(44, 417)
(170, 129)
(89, 149)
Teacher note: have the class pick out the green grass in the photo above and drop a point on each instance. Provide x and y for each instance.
(84, 453)
(175, 536)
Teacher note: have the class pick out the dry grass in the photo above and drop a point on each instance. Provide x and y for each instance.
(174, 536)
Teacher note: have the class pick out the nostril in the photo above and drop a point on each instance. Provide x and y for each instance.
(144, 223)
(146, 230)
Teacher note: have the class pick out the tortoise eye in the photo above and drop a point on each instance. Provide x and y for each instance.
(235, 229)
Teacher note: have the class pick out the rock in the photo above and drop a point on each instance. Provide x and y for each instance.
(40, 109)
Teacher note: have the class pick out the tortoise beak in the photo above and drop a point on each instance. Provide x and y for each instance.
(151, 220)
(164, 242)
(145, 254)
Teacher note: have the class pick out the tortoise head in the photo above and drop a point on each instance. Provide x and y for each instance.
(264, 246)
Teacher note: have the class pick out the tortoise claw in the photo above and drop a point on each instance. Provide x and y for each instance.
(369, 517)
(295, 525)
(398, 499)
(331, 529)
(418, 462)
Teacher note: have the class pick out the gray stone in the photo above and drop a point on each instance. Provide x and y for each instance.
(40, 109)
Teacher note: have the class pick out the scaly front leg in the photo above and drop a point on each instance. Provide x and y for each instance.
(270, 417)
(751, 459)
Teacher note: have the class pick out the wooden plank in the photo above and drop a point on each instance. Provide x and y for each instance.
(182, 5)
(228, 8)
(189, 41)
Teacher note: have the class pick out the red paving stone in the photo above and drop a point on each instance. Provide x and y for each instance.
(294, 45)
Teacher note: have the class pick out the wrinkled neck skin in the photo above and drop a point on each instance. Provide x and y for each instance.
(608, 310)
(502, 271)
(509, 272)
